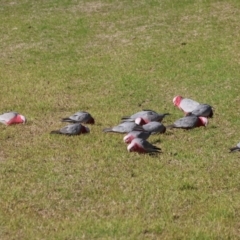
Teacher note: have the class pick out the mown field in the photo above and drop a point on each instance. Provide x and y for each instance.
(114, 58)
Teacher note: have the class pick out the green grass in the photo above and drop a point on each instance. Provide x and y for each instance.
(114, 58)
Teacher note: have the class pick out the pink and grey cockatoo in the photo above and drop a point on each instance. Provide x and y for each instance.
(136, 134)
(142, 146)
(80, 117)
(146, 116)
(202, 110)
(10, 118)
(72, 129)
(124, 127)
(189, 122)
(185, 104)
(152, 127)
(235, 149)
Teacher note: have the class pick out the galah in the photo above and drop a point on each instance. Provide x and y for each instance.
(189, 122)
(124, 127)
(185, 104)
(12, 118)
(146, 116)
(152, 127)
(72, 129)
(235, 149)
(142, 146)
(202, 110)
(80, 117)
(136, 134)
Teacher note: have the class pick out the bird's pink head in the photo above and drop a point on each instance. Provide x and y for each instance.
(24, 120)
(139, 121)
(204, 121)
(18, 119)
(177, 100)
(128, 138)
(135, 147)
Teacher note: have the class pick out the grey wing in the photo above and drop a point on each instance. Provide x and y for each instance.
(124, 127)
(72, 129)
(188, 105)
(159, 128)
(7, 116)
(152, 116)
(79, 116)
(140, 134)
(148, 110)
(186, 122)
(129, 126)
(139, 114)
(151, 127)
(203, 110)
(158, 117)
(119, 129)
(149, 147)
(143, 135)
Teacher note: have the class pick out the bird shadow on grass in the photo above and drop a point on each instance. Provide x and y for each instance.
(155, 155)
(98, 124)
(169, 133)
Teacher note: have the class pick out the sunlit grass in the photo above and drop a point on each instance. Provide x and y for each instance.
(114, 58)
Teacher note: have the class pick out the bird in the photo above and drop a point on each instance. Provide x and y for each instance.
(185, 104)
(202, 110)
(146, 116)
(136, 134)
(72, 129)
(124, 127)
(80, 117)
(142, 146)
(189, 122)
(12, 117)
(235, 149)
(152, 127)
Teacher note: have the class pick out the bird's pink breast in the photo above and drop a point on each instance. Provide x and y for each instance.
(15, 120)
(144, 121)
(129, 139)
(139, 148)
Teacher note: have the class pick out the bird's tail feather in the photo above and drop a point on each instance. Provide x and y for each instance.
(156, 150)
(68, 120)
(110, 130)
(234, 149)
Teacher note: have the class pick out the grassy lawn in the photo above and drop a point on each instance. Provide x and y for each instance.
(114, 58)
